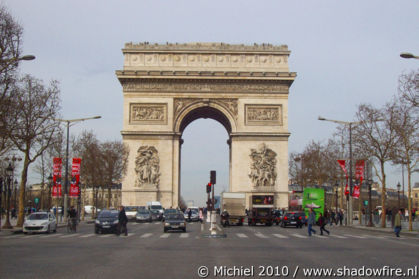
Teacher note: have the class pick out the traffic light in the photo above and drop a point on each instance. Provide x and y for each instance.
(209, 188)
(213, 176)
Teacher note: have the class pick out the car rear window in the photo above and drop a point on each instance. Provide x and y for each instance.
(174, 217)
(107, 214)
(131, 208)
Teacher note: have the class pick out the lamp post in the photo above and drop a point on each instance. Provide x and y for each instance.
(408, 55)
(349, 197)
(336, 205)
(68, 122)
(4, 63)
(9, 173)
(398, 194)
(369, 182)
(49, 191)
(15, 195)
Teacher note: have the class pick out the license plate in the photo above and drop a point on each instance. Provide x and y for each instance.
(293, 222)
(106, 227)
(175, 227)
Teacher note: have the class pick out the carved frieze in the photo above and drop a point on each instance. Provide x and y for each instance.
(230, 104)
(263, 115)
(145, 113)
(147, 167)
(263, 167)
(203, 86)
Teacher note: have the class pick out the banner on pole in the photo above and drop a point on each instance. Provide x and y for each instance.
(75, 178)
(56, 178)
(359, 176)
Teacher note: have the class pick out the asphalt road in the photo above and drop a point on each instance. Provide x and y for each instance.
(147, 252)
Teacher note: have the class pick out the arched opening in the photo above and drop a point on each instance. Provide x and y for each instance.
(204, 148)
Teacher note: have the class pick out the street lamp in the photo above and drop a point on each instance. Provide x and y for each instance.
(369, 183)
(49, 190)
(349, 197)
(398, 193)
(69, 121)
(9, 173)
(15, 198)
(408, 55)
(6, 62)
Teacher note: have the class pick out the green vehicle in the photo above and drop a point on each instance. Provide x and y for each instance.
(313, 198)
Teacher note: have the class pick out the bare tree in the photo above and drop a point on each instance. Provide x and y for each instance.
(35, 107)
(87, 147)
(115, 159)
(406, 125)
(10, 49)
(409, 88)
(375, 136)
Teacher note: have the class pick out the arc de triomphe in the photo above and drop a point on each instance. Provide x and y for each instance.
(167, 86)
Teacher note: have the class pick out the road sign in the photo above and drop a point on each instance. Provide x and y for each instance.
(36, 200)
(366, 202)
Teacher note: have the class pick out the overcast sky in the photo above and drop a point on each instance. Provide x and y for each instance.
(344, 53)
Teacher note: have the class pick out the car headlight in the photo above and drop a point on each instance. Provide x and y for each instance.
(44, 224)
(115, 222)
(167, 224)
(97, 222)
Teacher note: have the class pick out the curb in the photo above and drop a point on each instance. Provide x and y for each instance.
(379, 229)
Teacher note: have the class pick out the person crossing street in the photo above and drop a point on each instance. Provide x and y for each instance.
(122, 221)
(322, 224)
(398, 223)
(311, 221)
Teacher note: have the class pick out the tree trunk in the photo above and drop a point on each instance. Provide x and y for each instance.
(383, 197)
(409, 195)
(23, 180)
(109, 196)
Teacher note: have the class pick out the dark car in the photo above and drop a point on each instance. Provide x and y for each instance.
(156, 215)
(107, 221)
(277, 216)
(143, 215)
(170, 211)
(174, 222)
(296, 219)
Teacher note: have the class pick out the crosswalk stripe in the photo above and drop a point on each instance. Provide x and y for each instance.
(45, 236)
(88, 235)
(106, 235)
(31, 236)
(261, 235)
(69, 235)
(166, 235)
(184, 235)
(130, 234)
(337, 236)
(355, 236)
(299, 235)
(241, 235)
(319, 236)
(280, 235)
(146, 235)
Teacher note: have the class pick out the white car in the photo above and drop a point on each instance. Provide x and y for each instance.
(40, 222)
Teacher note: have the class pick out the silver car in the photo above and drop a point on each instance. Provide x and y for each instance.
(40, 222)
(143, 215)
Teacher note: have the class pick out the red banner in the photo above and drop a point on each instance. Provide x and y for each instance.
(359, 176)
(56, 188)
(342, 164)
(75, 181)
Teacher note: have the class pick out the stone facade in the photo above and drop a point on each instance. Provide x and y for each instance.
(166, 87)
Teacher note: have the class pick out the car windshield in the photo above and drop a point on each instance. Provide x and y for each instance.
(131, 208)
(174, 217)
(263, 212)
(108, 214)
(38, 217)
(170, 211)
(156, 207)
(143, 211)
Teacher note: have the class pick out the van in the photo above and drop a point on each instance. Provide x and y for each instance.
(155, 205)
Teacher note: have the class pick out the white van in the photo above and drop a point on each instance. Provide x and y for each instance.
(155, 205)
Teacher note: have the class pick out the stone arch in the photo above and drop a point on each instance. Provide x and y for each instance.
(204, 109)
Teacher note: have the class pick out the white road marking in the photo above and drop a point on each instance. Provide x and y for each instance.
(299, 235)
(106, 235)
(241, 235)
(166, 235)
(280, 235)
(146, 235)
(218, 228)
(261, 235)
(88, 235)
(337, 236)
(355, 236)
(319, 236)
(184, 235)
(70, 235)
(130, 234)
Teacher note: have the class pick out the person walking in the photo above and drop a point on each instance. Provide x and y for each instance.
(322, 224)
(340, 217)
(311, 221)
(398, 223)
(122, 221)
(332, 218)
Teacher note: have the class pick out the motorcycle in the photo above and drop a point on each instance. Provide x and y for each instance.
(224, 219)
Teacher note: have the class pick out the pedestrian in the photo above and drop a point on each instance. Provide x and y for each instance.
(189, 214)
(322, 224)
(311, 221)
(122, 221)
(340, 217)
(14, 213)
(398, 223)
(332, 218)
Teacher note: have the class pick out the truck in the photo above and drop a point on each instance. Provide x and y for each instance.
(235, 205)
(260, 212)
(155, 205)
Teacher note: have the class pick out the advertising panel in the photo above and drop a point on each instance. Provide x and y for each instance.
(313, 198)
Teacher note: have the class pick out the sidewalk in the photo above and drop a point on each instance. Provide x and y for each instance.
(13, 222)
(387, 230)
